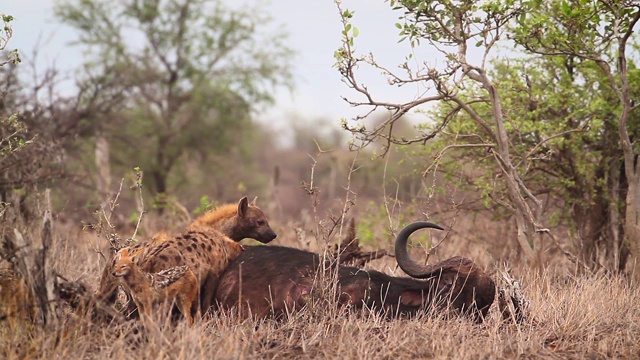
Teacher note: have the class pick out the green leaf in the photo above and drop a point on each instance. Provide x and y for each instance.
(566, 8)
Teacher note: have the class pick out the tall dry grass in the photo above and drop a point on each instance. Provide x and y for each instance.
(580, 317)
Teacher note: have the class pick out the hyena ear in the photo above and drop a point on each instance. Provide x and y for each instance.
(253, 202)
(243, 205)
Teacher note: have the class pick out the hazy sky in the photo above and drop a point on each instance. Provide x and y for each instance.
(314, 32)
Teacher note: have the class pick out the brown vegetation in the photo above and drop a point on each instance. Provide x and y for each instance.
(568, 318)
(15, 297)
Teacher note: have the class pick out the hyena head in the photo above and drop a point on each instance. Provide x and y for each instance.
(252, 223)
(122, 263)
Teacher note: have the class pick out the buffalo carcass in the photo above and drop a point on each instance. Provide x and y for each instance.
(271, 280)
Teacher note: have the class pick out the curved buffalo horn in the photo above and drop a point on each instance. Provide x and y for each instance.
(406, 263)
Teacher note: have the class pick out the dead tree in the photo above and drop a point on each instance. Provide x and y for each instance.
(32, 262)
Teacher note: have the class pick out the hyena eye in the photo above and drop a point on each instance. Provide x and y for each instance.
(260, 222)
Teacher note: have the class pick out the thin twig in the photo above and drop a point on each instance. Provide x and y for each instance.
(138, 185)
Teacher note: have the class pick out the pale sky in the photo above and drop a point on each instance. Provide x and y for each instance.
(314, 32)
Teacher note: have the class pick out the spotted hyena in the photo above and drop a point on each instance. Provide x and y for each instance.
(231, 221)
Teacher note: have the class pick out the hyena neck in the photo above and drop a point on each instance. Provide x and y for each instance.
(223, 219)
(230, 228)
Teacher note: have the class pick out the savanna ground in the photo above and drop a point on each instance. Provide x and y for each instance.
(570, 316)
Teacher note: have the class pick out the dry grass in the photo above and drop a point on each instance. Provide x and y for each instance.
(587, 317)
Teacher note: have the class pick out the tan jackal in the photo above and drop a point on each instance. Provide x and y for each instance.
(177, 283)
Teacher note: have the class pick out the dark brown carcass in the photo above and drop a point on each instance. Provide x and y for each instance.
(270, 280)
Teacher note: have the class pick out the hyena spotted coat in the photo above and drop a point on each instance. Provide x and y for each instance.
(228, 222)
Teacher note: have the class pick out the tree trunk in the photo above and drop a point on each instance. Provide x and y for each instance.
(525, 218)
(616, 227)
(632, 222)
(631, 159)
(160, 173)
(103, 169)
(160, 183)
(33, 261)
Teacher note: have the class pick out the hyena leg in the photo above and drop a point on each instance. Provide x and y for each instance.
(207, 293)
